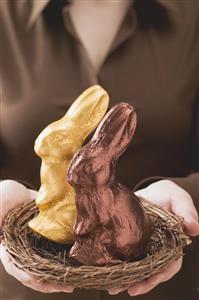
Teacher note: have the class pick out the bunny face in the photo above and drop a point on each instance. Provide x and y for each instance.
(90, 169)
(89, 108)
(58, 141)
(62, 138)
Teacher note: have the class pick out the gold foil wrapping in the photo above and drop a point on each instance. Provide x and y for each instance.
(56, 145)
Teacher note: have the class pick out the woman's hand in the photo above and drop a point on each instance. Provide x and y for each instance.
(13, 194)
(171, 197)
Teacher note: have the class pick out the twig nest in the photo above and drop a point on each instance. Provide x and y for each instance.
(49, 261)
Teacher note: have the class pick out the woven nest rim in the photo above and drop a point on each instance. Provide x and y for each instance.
(167, 245)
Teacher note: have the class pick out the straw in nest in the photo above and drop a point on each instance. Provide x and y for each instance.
(49, 261)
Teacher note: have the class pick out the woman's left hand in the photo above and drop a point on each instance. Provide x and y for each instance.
(171, 197)
(14, 193)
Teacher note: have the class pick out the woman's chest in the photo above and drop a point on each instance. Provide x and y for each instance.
(154, 75)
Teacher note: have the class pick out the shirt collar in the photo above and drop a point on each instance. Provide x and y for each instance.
(39, 5)
(172, 5)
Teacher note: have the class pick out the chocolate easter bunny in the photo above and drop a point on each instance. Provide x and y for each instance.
(56, 146)
(111, 223)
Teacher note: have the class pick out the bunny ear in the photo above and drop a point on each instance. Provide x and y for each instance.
(116, 130)
(89, 108)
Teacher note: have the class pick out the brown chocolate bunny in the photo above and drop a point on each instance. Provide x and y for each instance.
(111, 224)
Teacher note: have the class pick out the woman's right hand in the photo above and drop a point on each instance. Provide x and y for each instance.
(13, 194)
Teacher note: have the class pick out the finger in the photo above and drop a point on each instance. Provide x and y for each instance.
(44, 287)
(154, 196)
(58, 288)
(151, 282)
(168, 273)
(115, 291)
(179, 202)
(191, 227)
(12, 269)
(32, 194)
(143, 193)
(36, 287)
(147, 285)
(13, 193)
(183, 206)
(27, 279)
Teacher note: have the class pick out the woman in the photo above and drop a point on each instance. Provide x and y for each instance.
(143, 52)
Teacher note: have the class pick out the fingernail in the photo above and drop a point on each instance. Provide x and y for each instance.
(135, 293)
(192, 227)
(192, 220)
(68, 290)
(113, 292)
(134, 290)
(116, 291)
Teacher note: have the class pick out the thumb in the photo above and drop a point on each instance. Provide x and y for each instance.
(32, 194)
(183, 206)
(13, 193)
(191, 226)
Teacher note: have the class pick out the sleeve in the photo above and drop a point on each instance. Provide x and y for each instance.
(191, 185)
(191, 182)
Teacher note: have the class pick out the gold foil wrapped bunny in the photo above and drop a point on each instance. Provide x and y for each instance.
(56, 146)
